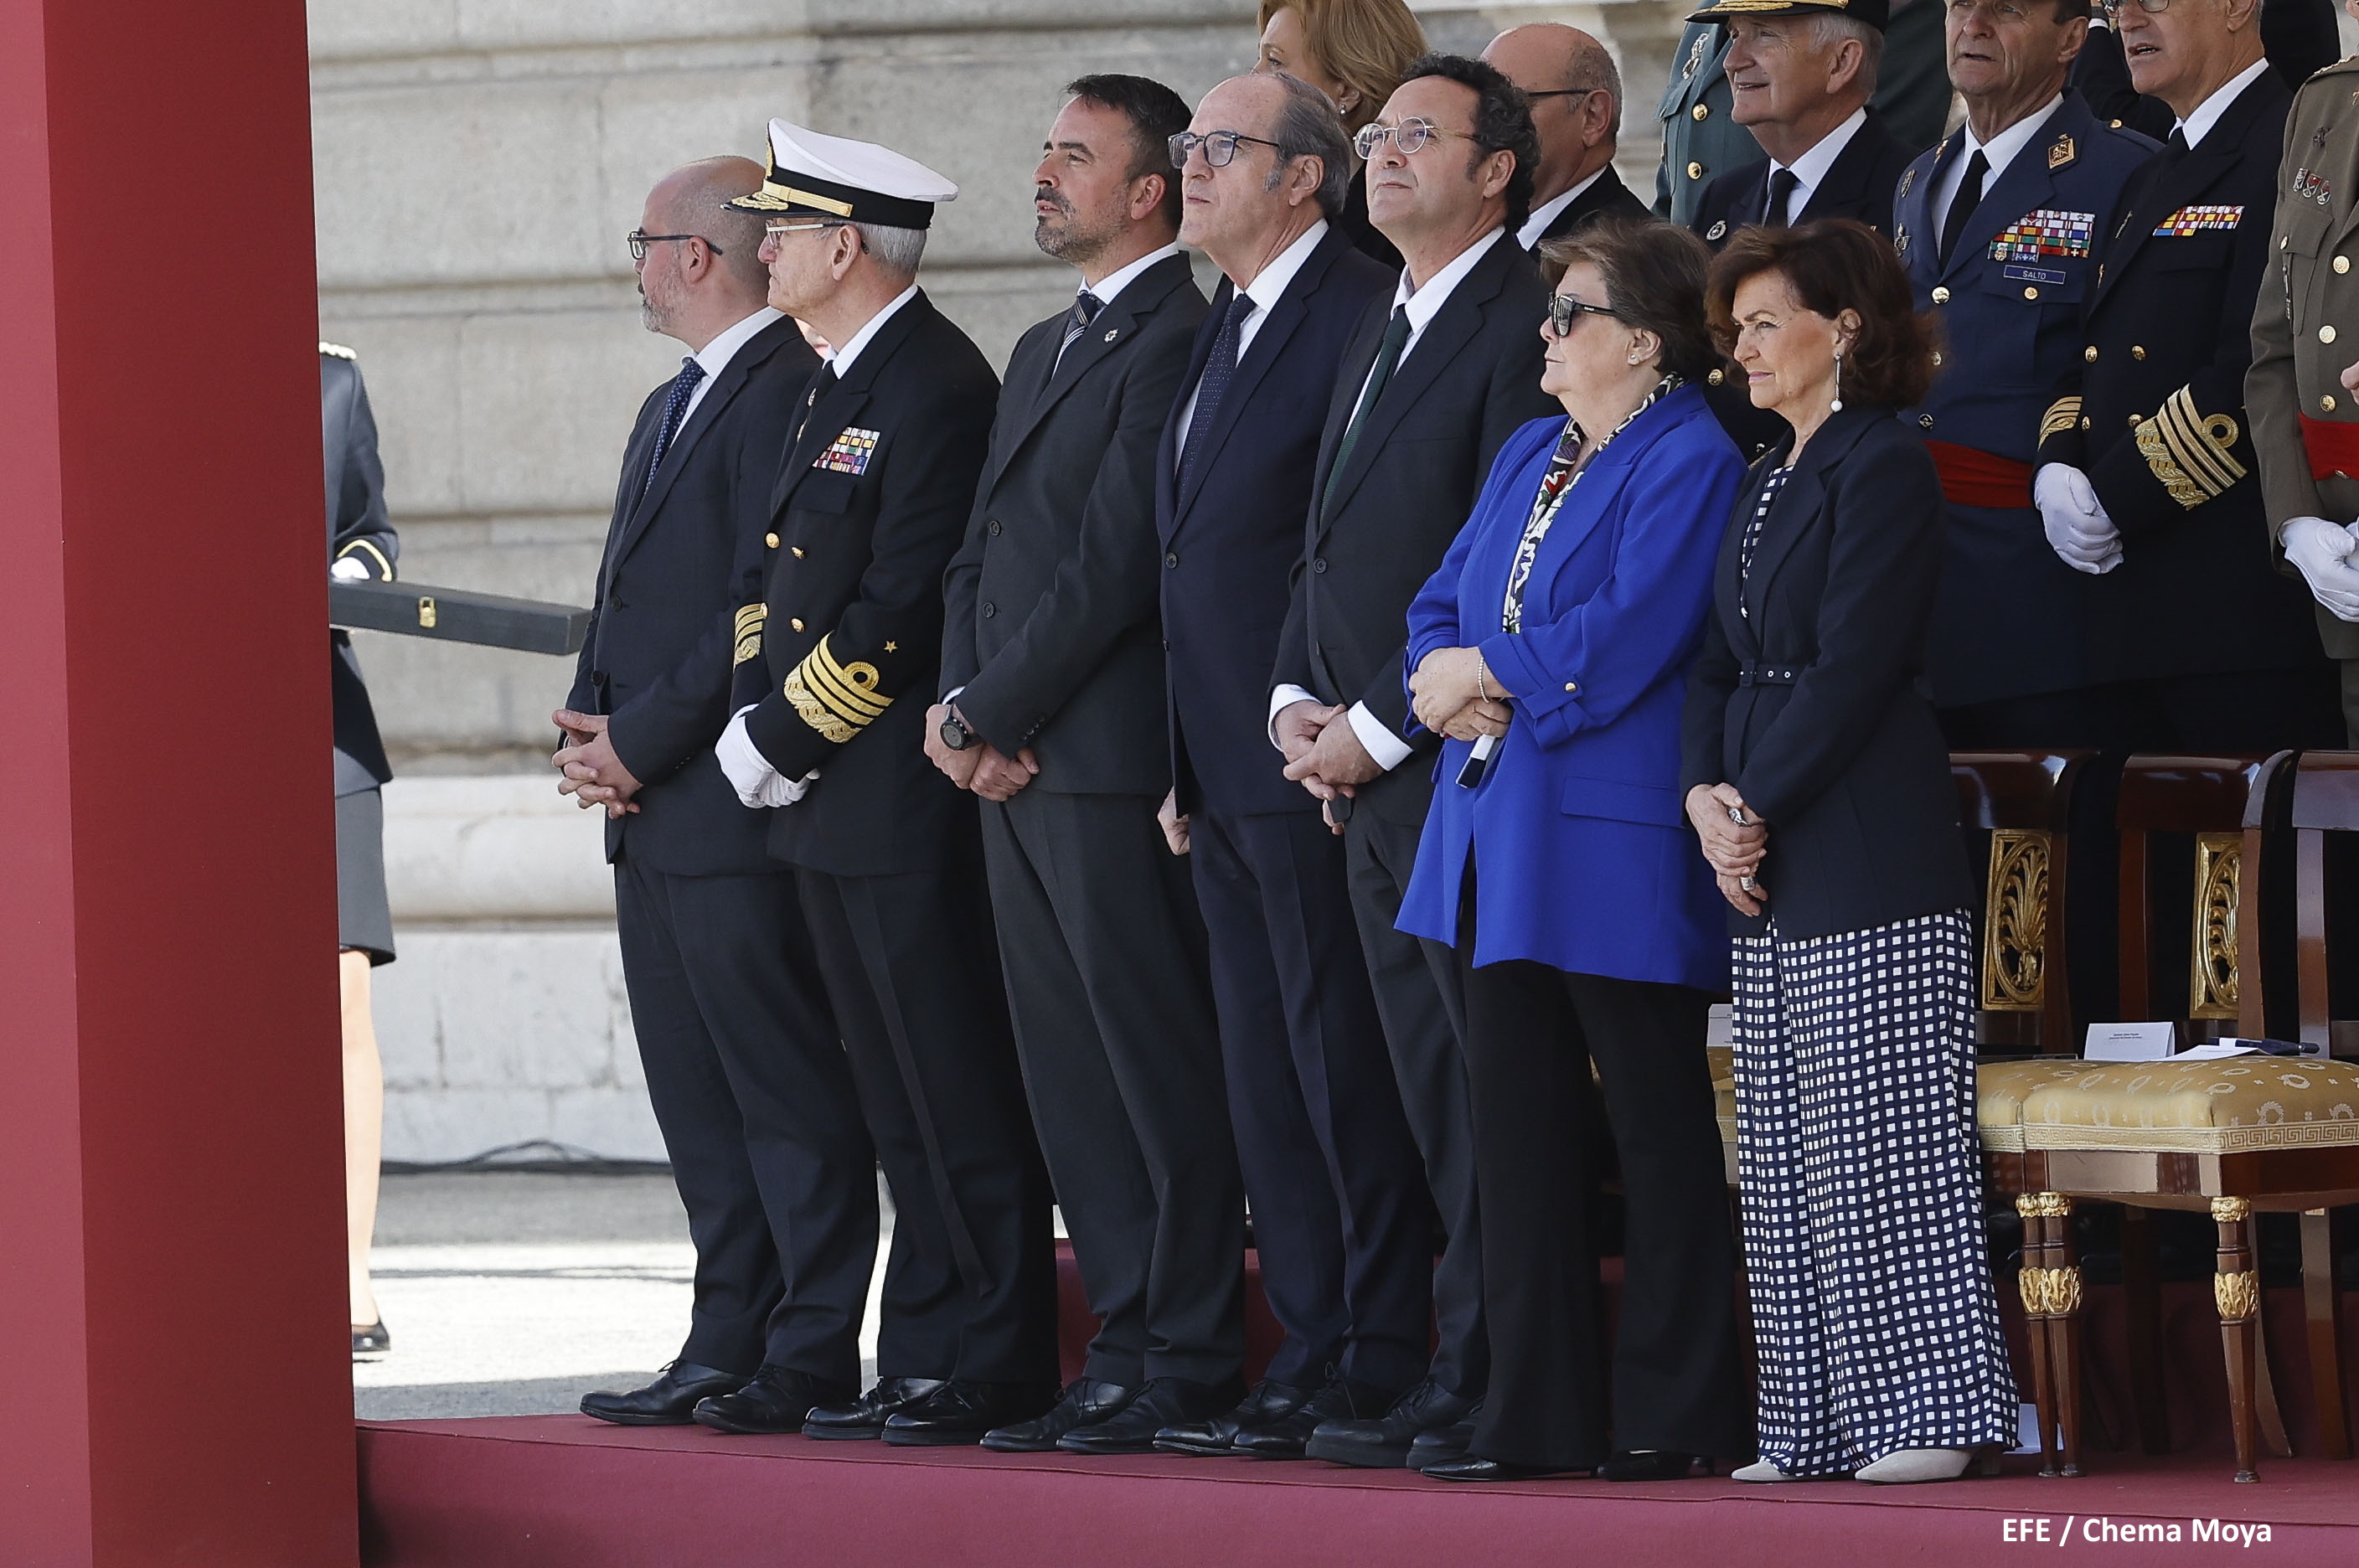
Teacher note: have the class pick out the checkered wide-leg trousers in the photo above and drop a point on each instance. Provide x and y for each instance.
(1861, 1179)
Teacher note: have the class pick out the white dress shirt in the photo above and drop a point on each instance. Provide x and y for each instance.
(1998, 152)
(842, 354)
(2207, 114)
(1545, 212)
(1114, 282)
(1267, 288)
(1809, 170)
(715, 356)
(1422, 305)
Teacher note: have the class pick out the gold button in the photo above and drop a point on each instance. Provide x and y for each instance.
(2341, 264)
(1701, 112)
(2137, 352)
(796, 624)
(1937, 359)
(2326, 334)
(1717, 377)
(2137, 419)
(2084, 422)
(2115, 125)
(1571, 686)
(772, 540)
(1941, 296)
(2326, 404)
(2090, 354)
(798, 550)
(1695, 171)
(2030, 293)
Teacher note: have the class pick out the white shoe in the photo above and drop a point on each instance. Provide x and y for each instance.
(1759, 1470)
(1911, 1465)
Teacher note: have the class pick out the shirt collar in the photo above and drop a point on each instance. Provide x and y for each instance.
(1270, 286)
(714, 356)
(1115, 283)
(2000, 151)
(840, 358)
(2196, 126)
(1810, 168)
(1424, 304)
(1545, 212)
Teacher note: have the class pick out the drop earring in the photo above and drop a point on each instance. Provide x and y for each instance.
(1836, 406)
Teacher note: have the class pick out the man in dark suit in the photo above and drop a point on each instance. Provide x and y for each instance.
(1340, 1217)
(2298, 38)
(1052, 670)
(743, 1071)
(1436, 378)
(2148, 480)
(870, 503)
(1576, 91)
(1801, 72)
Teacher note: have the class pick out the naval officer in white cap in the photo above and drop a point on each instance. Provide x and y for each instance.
(839, 646)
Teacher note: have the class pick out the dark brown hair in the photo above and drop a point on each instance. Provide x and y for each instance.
(1834, 265)
(1654, 279)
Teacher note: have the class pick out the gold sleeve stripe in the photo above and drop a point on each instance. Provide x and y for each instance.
(2063, 415)
(2191, 453)
(749, 633)
(383, 567)
(837, 700)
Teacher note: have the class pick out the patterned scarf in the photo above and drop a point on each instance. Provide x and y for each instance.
(1564, 470)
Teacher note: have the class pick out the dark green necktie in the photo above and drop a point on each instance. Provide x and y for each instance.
(1387, 360)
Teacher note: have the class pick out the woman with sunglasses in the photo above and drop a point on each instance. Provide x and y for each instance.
(1548, 651)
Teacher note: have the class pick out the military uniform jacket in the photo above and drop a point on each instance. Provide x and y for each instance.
(358, 528)
(843, 650)
(2010, 304)
(1700, 140)
(1051, 625)
(2309, 297)
(2155, 413)
(681, 551)
(1858, 184)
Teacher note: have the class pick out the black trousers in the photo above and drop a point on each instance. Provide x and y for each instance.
(1108, 988)
(1676, 1380)
(910, 962)
(1423, 1002)
(750, 1086)
(1341, 1219)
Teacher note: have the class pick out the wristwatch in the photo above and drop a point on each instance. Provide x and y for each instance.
(956, 735)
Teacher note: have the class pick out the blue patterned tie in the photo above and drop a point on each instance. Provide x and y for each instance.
(683, 387)
(1086, 307)
(1214, 384)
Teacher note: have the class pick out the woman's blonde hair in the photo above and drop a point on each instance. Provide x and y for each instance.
(1366, 45)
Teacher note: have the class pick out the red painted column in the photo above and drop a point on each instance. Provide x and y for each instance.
(174, 1386)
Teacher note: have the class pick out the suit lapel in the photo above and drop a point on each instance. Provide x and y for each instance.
(1268, 343)
(1839, 194)
(1796, 509)
(1913, 229)
(1114, 326)
(845, 399)
(2025, 187)
(725, 386)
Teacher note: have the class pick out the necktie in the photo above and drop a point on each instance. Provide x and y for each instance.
(1781, 192)
(819, 386)
(1387, 360)
(1963, 205)
(1086, 307)
(683, 387)
(2175, 149)
(1212, 385)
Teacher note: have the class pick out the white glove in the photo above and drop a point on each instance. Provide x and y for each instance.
(349, 569)
(757, 783)
(2078, 530)
(2323, 552)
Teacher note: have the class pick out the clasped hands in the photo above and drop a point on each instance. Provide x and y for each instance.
(2078, 530)
(591, 771)
(1735, 843)
(1324, 753)
(983, 767)
(1452, 693)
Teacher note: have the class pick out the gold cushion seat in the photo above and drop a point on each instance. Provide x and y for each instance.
(2231, 1105)
(2001, 1088)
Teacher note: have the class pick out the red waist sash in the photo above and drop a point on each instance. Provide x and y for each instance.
(2333, 448)
(1975, 478)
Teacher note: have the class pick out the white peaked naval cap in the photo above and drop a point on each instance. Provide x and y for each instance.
(822, 175)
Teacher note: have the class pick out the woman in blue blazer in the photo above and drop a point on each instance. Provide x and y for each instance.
(1548, 651)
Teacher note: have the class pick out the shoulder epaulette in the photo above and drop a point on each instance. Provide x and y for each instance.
(339, 350)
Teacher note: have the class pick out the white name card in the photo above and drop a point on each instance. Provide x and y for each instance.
(2130, 1043)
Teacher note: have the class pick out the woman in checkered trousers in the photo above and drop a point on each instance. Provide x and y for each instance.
(1819, 784)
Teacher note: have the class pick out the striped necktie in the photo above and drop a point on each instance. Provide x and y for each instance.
(683, 387)
(1086, 307)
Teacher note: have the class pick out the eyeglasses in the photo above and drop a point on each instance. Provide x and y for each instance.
(640, 239)
(1564, 309)
(1220, 146)
(1409, 135)
(2113, 8)
(1585, 91)
(773, 231)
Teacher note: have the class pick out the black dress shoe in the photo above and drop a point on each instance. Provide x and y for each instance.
(1384, 1443)
(1086, 1402)
(1210, 1436)
(961, 1410)
(372, 1342)
(1444, 1444)
(1647, 1464)
(1473, 1467)
(670, 1401)
(1164, 1402)
(864, 1418)
(773, 1401)
(1286, 1437)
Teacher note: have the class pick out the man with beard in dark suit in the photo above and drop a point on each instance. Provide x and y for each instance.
(743, 1068)
(1052, 713)
(1575, 91)
(845, 644)
(1439, 376)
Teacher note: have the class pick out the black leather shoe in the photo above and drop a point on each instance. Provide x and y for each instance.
(371, 1342)
(1473, 1467)
(774, 1400)
(1164, 1402)
(1284, 1438)
(670, 1401)
(1385, 1442)
(1086, 1402)
(1210, 1436)
(961, 1410)
(1648, 1465)
(863, 1419)
(1445, 1444)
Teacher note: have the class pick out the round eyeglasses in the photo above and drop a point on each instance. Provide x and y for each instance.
(1219, 148)
(1409, 135)
(640, 239)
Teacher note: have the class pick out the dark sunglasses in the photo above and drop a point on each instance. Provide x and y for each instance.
(1564, 309)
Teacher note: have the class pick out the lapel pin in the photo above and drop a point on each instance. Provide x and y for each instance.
(2060, 154)
(1717, 230)
(1112, 333)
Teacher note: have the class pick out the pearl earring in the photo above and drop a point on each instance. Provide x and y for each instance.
(1836, 406)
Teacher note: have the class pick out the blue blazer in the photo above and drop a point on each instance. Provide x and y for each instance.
(1584, 856)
